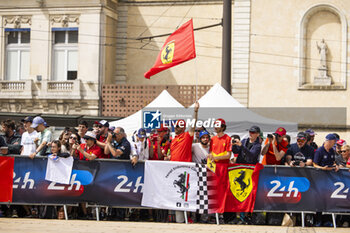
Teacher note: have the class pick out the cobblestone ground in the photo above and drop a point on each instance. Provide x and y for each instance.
(8, 225)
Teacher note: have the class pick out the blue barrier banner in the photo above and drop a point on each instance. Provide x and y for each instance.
(111, 183)
(118, 183)
(303, 189)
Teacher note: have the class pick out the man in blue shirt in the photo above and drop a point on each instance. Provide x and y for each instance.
(117, 145)
(325, 155)
(300, 153)
(249, 149)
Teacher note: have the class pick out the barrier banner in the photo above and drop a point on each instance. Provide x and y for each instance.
(111, 183)
(6, 174)
(118, 183)
(303, 189)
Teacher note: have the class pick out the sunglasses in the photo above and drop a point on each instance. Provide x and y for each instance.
(301, 140)
(342, 151)
(75, 138)
(197, 131)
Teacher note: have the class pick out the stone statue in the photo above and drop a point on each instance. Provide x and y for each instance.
(322, 49)
(323, 78)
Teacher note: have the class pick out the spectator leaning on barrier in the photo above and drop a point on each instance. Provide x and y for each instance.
(220, 144)
(325, 155)
(249, 149)
(139, 147)
(74, 139)
(88, 150)
(102, 136)
(310, 137)
(44, 137)
(275, 147)
(159, 144)
(28, 137)
(342, 159)
(117, 145)
(181, 145)
(82, 129)
(200, 150)
(338, 146)
(12, 139)
(300, 154)
(64, 139)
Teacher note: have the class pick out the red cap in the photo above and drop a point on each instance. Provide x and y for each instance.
(181, 123)
(341, 142)
(281, 131)
(162, 128)
(222, 121)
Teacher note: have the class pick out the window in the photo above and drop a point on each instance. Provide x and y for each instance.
(17, 53)
(65, 54)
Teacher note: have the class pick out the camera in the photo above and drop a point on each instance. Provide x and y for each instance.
(270, 136)
(296, 163)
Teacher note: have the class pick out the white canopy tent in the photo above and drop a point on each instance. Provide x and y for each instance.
(133, 122)
(218, 103)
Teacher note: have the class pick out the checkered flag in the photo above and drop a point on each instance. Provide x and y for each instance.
(202, 193)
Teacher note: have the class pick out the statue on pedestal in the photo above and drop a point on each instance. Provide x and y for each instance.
(323, 78)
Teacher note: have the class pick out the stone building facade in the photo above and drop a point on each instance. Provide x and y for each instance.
(55, 55)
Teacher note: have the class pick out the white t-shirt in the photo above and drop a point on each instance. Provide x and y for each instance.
(27, 142)
(199, 154)
(139, 149)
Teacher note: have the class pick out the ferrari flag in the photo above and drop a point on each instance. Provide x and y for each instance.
(235, 187)
(6, 181)
(178, 48)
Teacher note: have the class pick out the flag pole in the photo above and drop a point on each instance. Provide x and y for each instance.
(195, 67)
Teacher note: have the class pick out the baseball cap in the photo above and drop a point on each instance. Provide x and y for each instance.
(103, 123)
(89, 135)
(222, 121)
(111, 128)
(341, 142)
(281, 131)
(254, 129)
(301, 135)
(181, 123)
(162, 128)
(37, 121)
(27, 119)
(331, 137)
(141, 133)
(203, 132)
(310, 132)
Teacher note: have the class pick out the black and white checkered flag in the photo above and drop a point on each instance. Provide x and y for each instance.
(202, 193)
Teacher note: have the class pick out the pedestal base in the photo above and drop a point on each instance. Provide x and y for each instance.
(322, 81)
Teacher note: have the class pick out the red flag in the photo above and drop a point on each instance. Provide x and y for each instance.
(6, 181)
(236, 186)
(178, 48)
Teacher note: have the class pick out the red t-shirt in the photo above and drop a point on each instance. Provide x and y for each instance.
(102, 139)
(163, 146)
(95, 149)
(269, 157)
(220, 146)
(181, 148)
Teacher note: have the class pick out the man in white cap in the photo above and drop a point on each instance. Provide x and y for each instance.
(44, 137)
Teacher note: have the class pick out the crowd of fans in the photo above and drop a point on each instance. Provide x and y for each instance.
(32, 137)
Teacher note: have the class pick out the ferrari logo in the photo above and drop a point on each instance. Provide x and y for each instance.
(241, 183)
(168, 53)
